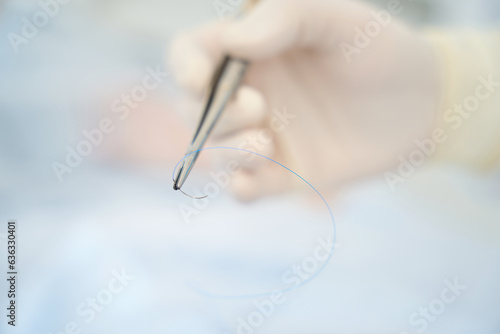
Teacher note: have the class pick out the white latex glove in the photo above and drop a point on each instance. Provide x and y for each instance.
(351, 119)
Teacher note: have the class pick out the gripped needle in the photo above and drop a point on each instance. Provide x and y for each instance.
(226, 80)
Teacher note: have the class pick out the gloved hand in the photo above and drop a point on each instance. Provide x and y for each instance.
(339, 101)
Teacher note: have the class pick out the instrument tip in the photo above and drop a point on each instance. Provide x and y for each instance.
(176, 180)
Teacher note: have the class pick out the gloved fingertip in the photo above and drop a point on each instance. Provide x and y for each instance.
(195, 74)
(243, 186)
(251, 100)
(191, 67)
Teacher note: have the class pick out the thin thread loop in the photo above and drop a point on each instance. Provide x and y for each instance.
(264, 294)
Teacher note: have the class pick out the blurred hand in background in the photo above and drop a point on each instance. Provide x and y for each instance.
(344, 114)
